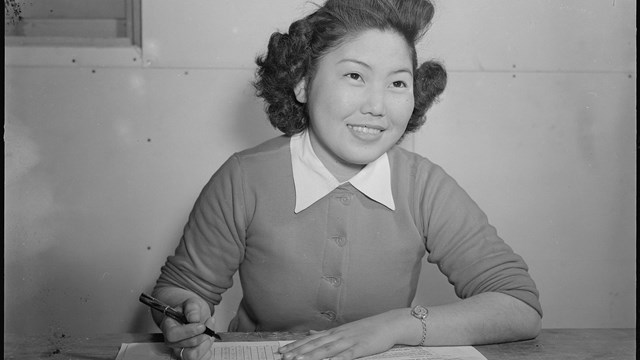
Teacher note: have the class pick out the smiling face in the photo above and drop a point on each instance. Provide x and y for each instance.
(359, 100)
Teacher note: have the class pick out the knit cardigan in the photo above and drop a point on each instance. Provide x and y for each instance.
(345, 257)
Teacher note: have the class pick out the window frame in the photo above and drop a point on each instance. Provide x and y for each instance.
(81, 51)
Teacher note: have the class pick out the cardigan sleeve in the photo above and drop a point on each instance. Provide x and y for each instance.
(465, 247)
(213, 240)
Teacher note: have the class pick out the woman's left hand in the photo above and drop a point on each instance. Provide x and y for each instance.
(349, 341)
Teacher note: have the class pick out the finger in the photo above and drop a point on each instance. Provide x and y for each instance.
(317, 350)
(210, 323)
(191, 329)
(208, 354)
(349, 354)
(296, 344)
(193, 342)
(202, 351)
(316, 346)
(182, 335)
(192, 309)
(184, 354)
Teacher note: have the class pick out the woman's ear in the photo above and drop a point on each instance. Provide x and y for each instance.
(301, 91)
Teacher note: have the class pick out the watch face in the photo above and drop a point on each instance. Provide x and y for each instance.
(419, 312)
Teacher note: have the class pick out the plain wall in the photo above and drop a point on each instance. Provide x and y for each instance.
(105, 155)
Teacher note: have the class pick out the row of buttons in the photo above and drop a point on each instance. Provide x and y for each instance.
(341, 241)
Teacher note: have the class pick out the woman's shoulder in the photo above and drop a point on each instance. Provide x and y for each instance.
(273, 155)
(405, 160)
(257, 158)
(272, 146)
(415, 171)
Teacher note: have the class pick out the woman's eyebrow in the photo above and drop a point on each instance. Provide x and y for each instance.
(364, 64)
(403, 70)
(361, 63)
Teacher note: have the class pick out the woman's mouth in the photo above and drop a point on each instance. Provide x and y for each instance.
(364, 130)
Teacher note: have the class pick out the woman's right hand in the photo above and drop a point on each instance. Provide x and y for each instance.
(188, 341)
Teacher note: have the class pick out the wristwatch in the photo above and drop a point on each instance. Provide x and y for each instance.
(420, 313)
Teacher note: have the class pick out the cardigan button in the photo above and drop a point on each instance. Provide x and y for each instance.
(340, 240)
(329, 315)
(335, 281)
(345, 200)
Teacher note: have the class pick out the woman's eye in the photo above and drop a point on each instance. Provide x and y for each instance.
(399, 84)
(354, 76)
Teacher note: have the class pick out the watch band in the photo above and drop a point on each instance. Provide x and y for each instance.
(420, 313)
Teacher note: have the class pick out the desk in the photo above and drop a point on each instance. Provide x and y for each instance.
(602, 344)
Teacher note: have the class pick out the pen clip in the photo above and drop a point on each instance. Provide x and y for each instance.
(163, 308)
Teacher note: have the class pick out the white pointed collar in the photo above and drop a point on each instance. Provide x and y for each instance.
(313, 180)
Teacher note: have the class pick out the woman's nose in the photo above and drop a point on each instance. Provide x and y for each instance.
(373, 103)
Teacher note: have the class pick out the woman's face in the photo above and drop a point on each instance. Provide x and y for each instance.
(359, 101)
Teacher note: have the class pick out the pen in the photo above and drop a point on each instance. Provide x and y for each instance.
(171, 312)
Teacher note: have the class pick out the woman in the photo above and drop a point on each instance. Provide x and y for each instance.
(328, 224)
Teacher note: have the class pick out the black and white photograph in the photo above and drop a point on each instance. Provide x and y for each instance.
(320, 179)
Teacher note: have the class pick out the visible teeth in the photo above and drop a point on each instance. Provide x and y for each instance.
(364, 129)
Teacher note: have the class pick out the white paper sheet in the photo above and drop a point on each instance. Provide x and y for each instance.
(267, 350)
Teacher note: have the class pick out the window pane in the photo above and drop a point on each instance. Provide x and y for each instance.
(70, 21)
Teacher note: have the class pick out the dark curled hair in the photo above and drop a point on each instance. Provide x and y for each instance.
(293, 56)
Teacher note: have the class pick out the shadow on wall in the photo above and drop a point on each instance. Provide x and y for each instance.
(252, 126)
(28, 201)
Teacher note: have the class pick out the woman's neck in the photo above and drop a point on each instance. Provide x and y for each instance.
(339, 168)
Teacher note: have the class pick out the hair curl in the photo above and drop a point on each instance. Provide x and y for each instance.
(293, 56)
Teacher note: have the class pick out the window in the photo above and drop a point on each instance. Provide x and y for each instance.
(77, 23)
